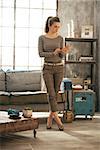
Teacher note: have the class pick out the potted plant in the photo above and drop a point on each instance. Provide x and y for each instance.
(27, 112)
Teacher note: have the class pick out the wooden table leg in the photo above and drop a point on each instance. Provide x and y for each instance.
(34, 132)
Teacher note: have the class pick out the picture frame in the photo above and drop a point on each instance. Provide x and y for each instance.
(87, 31)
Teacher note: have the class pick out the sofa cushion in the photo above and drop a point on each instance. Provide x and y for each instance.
(23, 81)
(39, 97)
(20, 98)
(4, 98)
(2, 80)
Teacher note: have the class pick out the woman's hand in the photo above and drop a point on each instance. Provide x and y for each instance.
(57, 51)
(66, 49)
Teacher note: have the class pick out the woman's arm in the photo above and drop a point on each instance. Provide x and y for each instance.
(61, 53)
(41, 50)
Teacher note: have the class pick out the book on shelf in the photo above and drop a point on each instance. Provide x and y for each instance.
(86, 58)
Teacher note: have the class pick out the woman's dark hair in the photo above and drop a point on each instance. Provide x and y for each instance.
(50, 21)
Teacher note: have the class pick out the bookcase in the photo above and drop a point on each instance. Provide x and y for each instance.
(80, 62)
(81, 65)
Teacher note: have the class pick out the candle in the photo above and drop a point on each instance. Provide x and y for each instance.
(72, 28)
(68, 30)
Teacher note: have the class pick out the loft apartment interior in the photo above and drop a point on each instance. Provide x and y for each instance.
(22, 85)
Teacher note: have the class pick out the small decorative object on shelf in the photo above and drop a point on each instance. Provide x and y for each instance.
(87, 31)
(85, 85)
(70, 29)
(27, 112)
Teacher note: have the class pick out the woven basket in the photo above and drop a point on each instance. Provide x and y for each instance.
(68, 116)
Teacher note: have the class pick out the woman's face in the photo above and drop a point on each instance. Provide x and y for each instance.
(54, 27)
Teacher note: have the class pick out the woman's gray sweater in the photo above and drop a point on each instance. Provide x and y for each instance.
(46, 47)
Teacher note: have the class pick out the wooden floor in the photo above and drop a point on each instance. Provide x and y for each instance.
(81, 134)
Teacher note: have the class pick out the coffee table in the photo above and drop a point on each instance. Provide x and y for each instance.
(8, 125)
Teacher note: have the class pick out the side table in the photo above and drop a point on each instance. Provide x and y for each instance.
(8, 125)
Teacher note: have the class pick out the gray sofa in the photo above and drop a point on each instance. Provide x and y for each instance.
(20, 89)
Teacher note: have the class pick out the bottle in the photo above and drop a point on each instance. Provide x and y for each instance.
(85, 85)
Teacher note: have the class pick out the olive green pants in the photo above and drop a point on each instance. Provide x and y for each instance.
(53, 76)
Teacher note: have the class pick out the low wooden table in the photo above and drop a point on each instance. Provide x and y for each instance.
(15, 125)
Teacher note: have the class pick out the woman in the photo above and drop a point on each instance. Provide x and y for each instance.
(50, 47)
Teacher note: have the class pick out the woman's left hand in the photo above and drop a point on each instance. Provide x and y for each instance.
(66, 49)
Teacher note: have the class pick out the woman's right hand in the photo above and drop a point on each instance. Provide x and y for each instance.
(57, 51)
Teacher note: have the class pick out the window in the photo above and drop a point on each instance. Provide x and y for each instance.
(21, 23)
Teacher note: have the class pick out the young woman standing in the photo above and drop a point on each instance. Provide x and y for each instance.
(50, 47)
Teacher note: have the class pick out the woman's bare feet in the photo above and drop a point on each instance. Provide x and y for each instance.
(58, 121)
(49, 121)
(54, 115)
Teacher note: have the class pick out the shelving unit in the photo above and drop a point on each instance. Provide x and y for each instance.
(91, 53)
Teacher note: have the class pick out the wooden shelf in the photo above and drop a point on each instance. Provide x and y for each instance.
(80, 62)
(81, 39)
